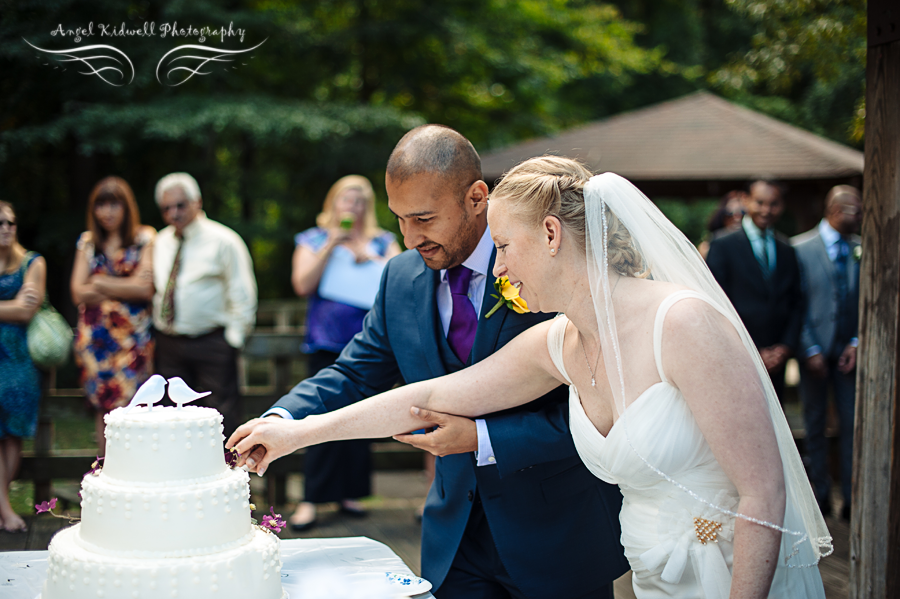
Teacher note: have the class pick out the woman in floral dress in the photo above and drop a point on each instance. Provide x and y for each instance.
(112, 285)
(22, 280)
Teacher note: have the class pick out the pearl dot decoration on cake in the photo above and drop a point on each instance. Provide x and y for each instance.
(204, 534)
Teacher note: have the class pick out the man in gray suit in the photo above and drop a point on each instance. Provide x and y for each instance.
(829, 272)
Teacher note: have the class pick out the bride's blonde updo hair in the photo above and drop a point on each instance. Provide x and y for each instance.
(554, 186)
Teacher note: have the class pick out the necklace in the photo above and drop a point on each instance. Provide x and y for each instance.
(593, 379)
(581, 338)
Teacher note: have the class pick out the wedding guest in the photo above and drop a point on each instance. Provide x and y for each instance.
(112, 285)
(22, 285)
(341, 471)
(512, 512)
(757, 268)
(205, 301)
(829, 268)
(726, 218)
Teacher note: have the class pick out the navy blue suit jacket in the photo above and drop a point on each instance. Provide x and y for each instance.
(555, 525)
(771, 309)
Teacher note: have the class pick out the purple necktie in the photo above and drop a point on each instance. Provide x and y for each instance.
(464, 321)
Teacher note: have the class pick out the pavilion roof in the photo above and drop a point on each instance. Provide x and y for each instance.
(696, 137)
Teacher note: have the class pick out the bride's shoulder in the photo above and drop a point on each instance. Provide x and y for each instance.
(692, 317)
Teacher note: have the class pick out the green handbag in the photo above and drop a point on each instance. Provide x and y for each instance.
(49, 336)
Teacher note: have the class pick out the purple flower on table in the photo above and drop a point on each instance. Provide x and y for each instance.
(274, 522)
(45, 506)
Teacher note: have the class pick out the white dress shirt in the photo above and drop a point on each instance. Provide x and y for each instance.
(215, 286)
(758, 237)
(479, 262)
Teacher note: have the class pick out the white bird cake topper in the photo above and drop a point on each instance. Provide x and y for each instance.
(149, 393)
(180, 393)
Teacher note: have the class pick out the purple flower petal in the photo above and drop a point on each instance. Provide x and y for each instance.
(45, 506)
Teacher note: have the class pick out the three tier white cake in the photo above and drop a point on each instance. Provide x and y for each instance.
(166, 517)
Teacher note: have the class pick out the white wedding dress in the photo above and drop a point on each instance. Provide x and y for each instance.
(659, 531)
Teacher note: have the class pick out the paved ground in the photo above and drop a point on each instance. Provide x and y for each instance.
(391, 520)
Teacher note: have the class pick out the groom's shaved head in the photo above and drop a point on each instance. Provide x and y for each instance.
(435, 149)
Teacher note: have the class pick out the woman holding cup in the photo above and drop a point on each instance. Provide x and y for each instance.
(346, 232)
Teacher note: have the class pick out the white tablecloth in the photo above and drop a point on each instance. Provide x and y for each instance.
(22, 573)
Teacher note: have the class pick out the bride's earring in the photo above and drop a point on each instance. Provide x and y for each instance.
(552, 251)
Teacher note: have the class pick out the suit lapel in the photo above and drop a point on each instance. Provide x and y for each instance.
(424, 286)
(750, 257)
(488, 328)
(822, 253)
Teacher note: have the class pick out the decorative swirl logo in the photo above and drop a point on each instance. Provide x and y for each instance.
(70, 55)
(214, 55)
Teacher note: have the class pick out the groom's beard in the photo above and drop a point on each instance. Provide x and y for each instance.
(447, 256)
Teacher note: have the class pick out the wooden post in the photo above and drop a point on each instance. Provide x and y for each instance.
(875, 518)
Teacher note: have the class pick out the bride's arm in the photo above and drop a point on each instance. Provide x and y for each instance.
(704, 357)
(518, 373)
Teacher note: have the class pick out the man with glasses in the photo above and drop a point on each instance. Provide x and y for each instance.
(205, 301)
(829, 268)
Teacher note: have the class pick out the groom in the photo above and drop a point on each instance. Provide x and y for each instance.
(512, 511)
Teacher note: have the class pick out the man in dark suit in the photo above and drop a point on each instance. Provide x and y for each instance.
(757, 269)
(829, 267)
(512, 511)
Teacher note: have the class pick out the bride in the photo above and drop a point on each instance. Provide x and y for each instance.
(669, 398)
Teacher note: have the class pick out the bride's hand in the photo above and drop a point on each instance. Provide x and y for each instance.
(276, 437)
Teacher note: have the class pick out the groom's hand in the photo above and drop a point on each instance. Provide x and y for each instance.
(452, 434)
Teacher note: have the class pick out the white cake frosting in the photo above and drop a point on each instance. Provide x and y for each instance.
(165, 517)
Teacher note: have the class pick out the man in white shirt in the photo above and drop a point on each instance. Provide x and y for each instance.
(205, 301)
(829, 269)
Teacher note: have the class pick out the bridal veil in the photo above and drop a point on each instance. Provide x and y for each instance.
(669, 256)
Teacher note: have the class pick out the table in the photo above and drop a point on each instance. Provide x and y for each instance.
(336, 563)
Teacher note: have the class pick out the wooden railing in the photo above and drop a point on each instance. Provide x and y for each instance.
(274, 347)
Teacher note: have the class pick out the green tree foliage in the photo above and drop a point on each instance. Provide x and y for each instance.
(333, 86)
(805, 64)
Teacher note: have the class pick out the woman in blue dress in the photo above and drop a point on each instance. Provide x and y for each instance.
(341, 471)
(22, 280)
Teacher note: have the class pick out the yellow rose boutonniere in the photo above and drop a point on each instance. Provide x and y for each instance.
(509, 295)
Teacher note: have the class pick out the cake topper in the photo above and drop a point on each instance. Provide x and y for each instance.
(149, 393)
(180, 393)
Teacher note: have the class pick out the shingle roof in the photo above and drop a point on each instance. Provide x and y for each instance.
(695, 137)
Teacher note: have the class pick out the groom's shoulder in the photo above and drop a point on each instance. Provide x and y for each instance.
(402, 270)
(406, 264)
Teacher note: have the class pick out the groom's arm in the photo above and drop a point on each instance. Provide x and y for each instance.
(533, 434)
(366, 367)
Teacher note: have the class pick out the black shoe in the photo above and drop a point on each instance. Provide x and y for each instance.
(302, 527)
(353, 512)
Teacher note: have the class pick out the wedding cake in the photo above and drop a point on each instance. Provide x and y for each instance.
(165, 517)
